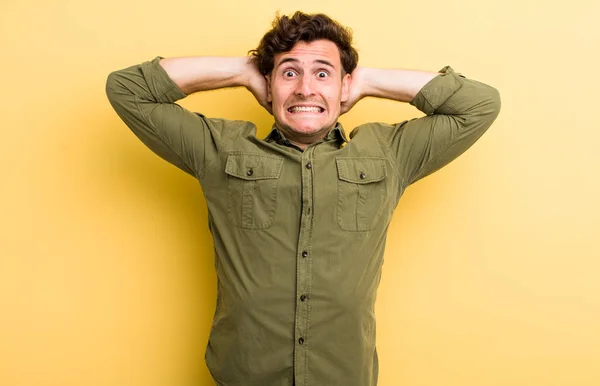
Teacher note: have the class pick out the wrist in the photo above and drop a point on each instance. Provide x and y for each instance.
(360, 81)
(248, 71)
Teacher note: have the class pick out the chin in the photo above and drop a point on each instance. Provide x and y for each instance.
(306, 130)
(309, 127)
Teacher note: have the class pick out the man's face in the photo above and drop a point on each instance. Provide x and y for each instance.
(306, 88)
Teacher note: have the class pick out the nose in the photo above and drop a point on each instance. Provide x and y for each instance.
(304, 87)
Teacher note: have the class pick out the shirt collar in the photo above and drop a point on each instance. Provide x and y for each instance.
(336, 133)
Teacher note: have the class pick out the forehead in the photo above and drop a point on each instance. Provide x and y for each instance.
(307, 53)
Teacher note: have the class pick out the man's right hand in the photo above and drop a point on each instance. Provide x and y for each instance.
(256, 83)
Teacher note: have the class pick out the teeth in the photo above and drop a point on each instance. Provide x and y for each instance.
(299, 109)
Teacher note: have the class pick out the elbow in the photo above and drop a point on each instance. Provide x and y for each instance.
(488, 105)
(114, 86)
(495, 102)
(119, 89)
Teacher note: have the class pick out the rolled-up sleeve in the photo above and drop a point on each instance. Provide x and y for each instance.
(144, 97)
(458, 111)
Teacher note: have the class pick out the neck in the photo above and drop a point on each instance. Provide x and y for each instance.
(302, 140)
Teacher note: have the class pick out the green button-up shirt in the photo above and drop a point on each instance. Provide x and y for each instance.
(299, 235)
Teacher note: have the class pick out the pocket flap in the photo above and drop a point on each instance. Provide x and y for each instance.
(360, 170)
(253, 166)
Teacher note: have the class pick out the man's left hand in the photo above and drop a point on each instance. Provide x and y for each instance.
(356, 87)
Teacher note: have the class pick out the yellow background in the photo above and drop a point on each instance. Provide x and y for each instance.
(492, 270)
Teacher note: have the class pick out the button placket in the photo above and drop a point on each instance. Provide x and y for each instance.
(304, 270)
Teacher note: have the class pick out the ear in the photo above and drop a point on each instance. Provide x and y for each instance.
(269, 96)
(346, 84)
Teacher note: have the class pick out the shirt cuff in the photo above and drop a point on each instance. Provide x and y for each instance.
(435, 93)
(159, 83)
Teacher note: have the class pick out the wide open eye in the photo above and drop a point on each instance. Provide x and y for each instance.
(289, 74)
(322, 74)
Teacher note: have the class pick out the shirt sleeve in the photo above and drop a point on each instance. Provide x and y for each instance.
(144, 97)
(458, 111)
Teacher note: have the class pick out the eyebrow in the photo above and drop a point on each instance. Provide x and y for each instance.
(294, 60)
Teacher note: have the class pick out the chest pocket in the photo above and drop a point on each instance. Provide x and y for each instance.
(361, 192)
(252, 187)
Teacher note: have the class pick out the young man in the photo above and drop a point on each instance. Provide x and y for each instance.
(299, 218)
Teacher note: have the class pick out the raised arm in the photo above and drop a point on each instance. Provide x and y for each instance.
(202, 73)
(458, 111)
(396, 84)
(144, 96)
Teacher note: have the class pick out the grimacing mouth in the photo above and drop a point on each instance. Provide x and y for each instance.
(292, 108)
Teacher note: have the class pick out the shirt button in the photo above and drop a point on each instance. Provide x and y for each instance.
(304, 254)
(301, 340)
(302, 298)
(250, 172)
(309, 165)
(363, 175)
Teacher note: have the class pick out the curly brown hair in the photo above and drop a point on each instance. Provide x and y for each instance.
(286, 32)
